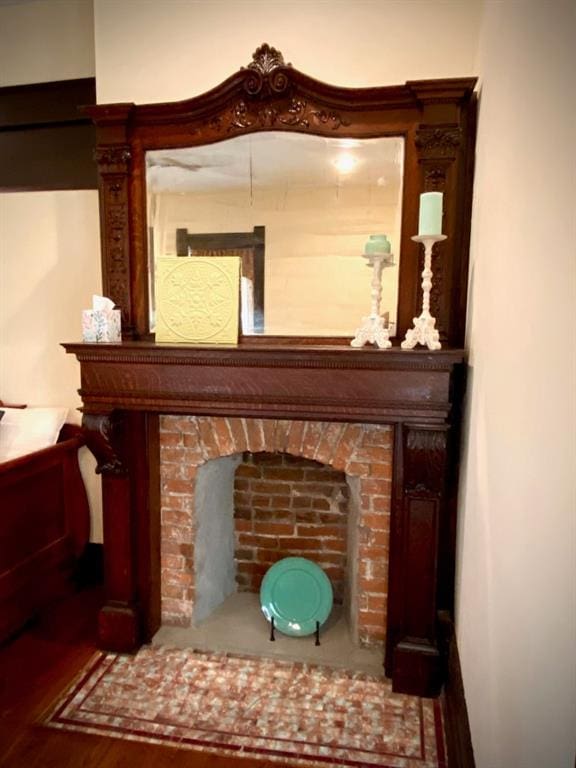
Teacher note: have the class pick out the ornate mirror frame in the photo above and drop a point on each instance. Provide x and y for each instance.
(435, 117)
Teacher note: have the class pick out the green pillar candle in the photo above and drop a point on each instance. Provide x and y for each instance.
(430, 219)
(378, 244)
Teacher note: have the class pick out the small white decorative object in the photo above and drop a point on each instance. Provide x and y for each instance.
(424, 331)
(102, 323)
(373, 330)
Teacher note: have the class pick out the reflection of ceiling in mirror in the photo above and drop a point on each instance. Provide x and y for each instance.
(273, 158)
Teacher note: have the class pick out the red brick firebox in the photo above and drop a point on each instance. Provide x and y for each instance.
(286, 506)
(362, 451)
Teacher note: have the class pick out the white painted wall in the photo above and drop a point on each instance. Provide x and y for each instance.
(516, 614)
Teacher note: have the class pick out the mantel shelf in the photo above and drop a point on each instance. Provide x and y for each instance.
(276, 381)
(246, 354)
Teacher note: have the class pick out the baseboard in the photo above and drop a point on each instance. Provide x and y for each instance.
(456, 723)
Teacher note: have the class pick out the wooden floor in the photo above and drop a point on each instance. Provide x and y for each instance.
(37, 666)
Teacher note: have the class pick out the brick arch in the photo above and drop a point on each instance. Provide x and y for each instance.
(362, 451)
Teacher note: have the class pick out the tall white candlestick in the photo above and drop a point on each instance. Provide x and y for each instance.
(373, 330)
(424, 331)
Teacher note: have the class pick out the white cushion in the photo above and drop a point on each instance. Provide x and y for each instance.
(25, 430)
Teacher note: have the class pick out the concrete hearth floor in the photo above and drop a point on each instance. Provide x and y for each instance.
(238, 626)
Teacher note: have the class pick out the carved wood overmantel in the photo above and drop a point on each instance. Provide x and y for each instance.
(435, 117)
(126, 386)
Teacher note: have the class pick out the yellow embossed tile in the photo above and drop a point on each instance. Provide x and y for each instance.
(197, 299)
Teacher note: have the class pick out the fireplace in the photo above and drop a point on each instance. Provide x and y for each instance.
(295, 400)
(416, 395)
(321, 490)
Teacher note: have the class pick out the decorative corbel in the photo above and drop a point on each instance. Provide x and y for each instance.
(102, 433)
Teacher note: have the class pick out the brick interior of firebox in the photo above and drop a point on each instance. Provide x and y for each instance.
(286, 506)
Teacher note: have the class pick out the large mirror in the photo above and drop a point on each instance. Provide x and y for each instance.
(298, 209)
(291, 176)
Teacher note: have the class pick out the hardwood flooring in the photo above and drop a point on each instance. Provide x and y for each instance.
(37, 666)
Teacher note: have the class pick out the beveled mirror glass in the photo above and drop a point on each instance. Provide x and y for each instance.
(298, 209)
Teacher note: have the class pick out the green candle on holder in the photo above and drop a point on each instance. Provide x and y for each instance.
(377, 245)
(430, 219)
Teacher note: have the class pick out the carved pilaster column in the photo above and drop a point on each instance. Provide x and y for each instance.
(113, 169)
(437, 148)
(119, 620)
(412, 655)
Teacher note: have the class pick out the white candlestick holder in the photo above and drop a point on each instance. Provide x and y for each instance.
(424, 331)
(373, 330)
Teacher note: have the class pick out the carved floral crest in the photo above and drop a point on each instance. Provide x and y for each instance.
(266, 77)
(266, 59)
(266, 73)
(296, 113)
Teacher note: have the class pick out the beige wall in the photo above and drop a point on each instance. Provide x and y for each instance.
(162, 51)
(49, 267)
(516, 615)
(44, 40)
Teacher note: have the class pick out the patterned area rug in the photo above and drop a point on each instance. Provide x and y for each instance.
(229, 704)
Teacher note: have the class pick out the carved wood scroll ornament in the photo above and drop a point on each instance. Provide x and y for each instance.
(268, 76)
(265, 74)
(102, 435)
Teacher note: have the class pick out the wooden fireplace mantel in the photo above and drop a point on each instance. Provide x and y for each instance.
(126, 386)
(331, 382)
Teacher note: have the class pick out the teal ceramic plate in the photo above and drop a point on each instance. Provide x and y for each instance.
(297, 593)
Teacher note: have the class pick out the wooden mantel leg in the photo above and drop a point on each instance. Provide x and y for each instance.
(412, 654)
(123, 443)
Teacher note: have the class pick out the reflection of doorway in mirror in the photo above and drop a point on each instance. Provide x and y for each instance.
(317, 217)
